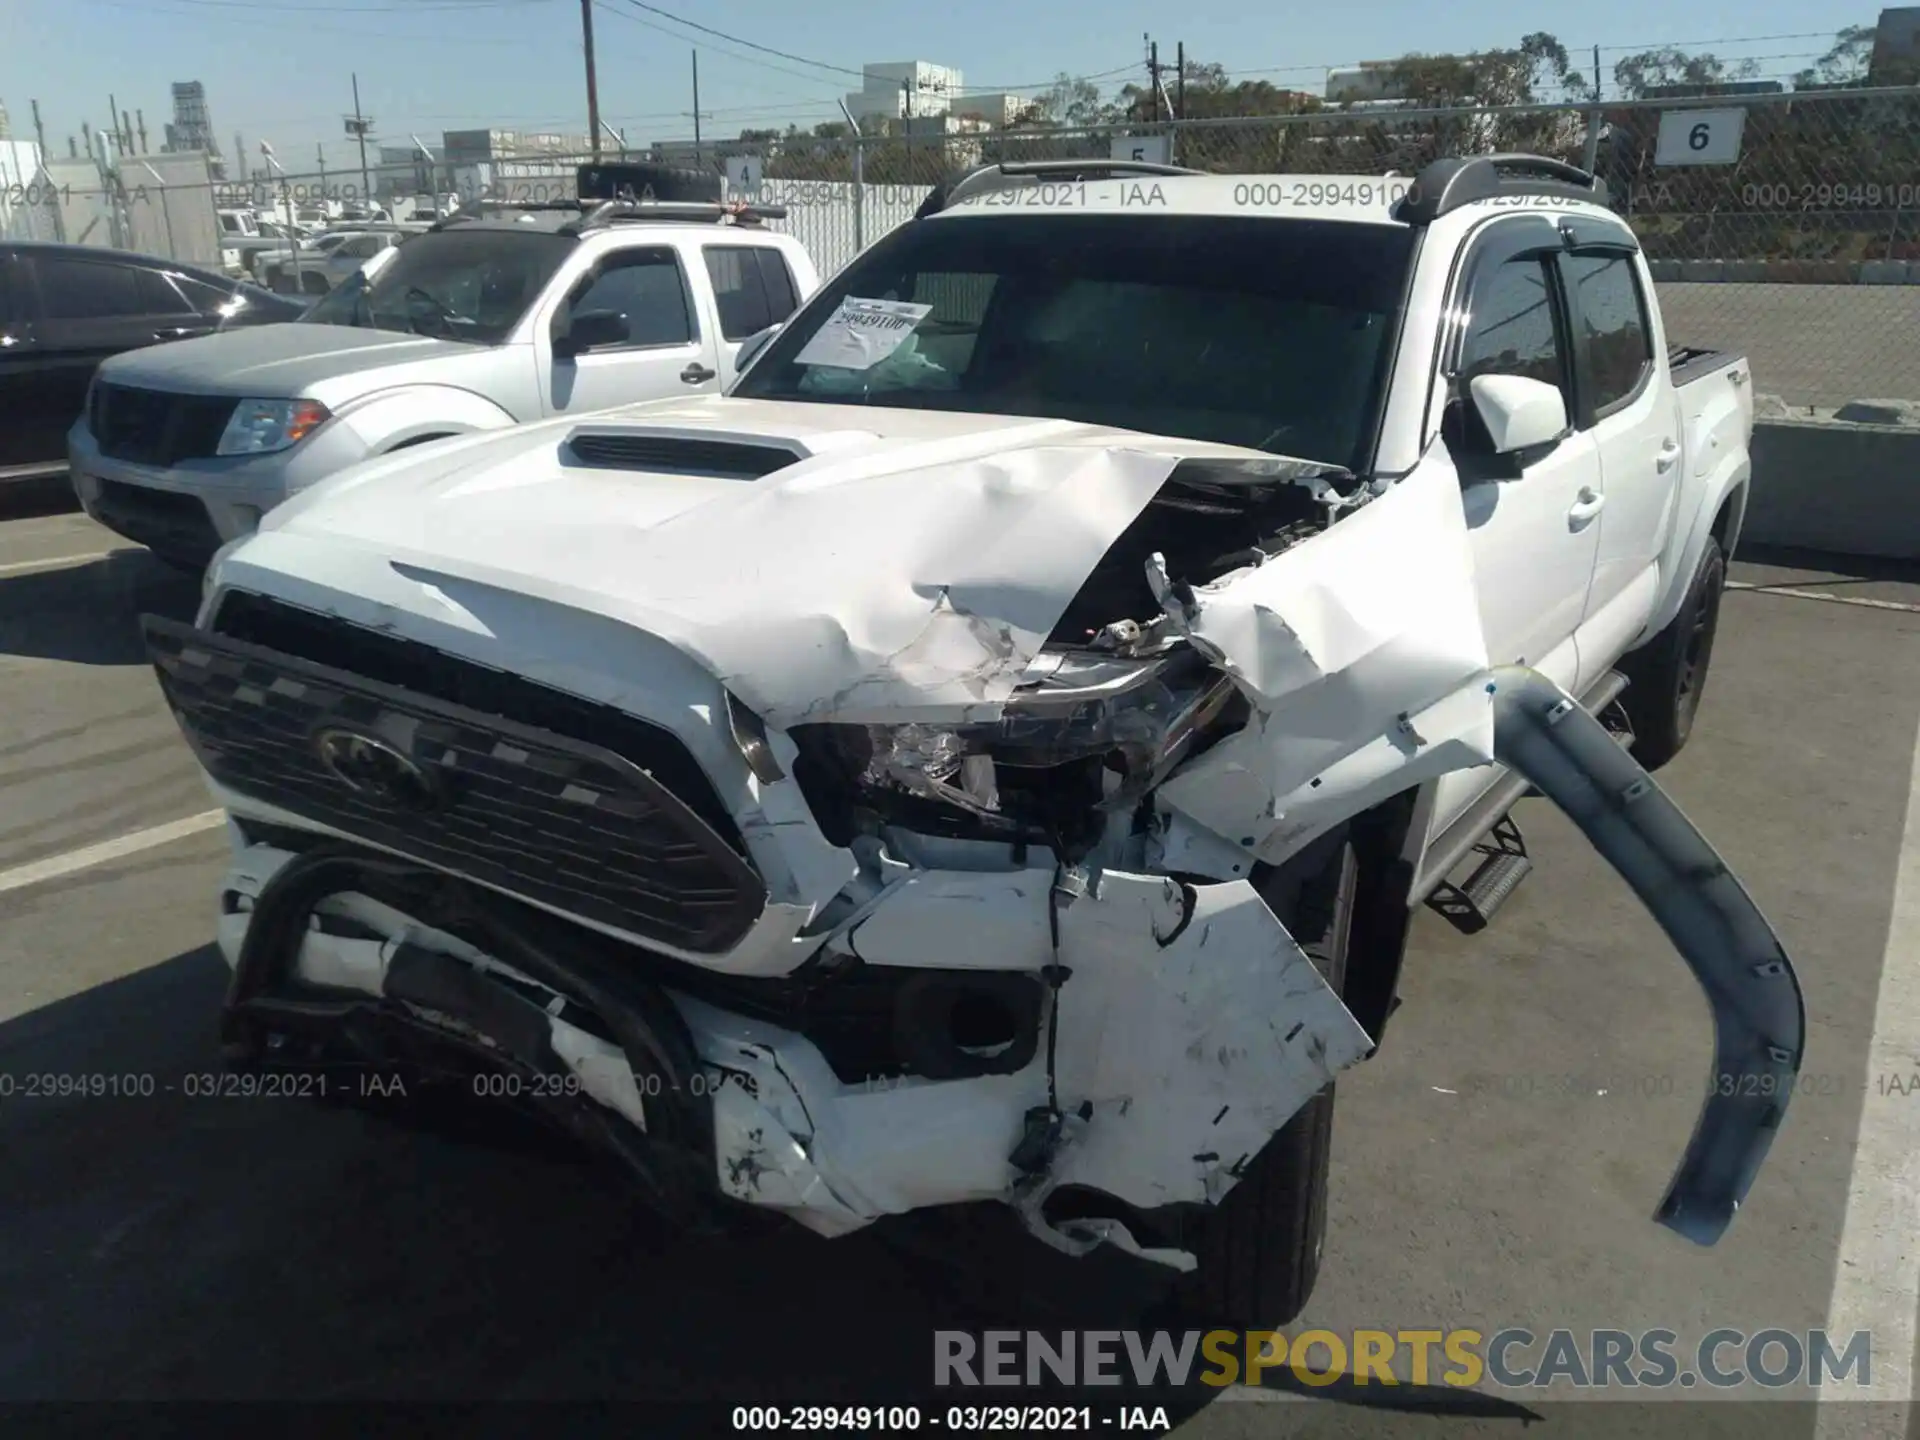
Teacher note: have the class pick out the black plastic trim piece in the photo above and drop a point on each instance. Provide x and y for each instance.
(1454, 182)
(1759, 1014)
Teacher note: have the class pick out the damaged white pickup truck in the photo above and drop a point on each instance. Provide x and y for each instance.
(993, 753)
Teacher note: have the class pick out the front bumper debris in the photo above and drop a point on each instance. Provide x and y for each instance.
(1187, 1012)
(1759, 1016)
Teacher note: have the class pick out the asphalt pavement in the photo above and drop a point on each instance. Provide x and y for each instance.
(1496, 1165)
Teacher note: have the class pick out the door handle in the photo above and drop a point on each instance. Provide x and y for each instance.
(1669, 453)
(695, 373)
(1586, 507)
(181, 332)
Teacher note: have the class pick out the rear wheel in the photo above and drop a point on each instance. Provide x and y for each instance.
(1668, 675)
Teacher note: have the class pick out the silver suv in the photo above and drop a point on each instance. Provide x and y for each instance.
(483, 322)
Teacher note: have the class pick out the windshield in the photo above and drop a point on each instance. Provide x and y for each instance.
(1240, 330)
(452, 284)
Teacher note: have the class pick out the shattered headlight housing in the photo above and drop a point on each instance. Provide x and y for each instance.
(1119, 724)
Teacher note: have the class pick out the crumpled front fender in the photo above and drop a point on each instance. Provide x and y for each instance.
(1759, 1016)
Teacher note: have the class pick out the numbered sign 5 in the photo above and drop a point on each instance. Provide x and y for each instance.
(1700, 137)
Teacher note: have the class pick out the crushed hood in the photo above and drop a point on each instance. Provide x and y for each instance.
(906, 564)
(282, 360)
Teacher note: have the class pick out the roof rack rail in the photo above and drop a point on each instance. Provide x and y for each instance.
(598, 214)
(1447, 184)
(610, 212)
(994, 177)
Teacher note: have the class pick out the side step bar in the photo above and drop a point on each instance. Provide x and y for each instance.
(1487, 828)
(1759, 1015)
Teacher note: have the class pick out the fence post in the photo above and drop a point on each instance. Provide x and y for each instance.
(1590, 156)
(859, 193)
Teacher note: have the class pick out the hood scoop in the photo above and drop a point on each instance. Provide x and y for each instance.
(677, 455)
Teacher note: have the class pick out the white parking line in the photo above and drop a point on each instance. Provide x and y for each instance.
(54, 562)
(1876, 1282)
(54, 866)
(1794, 594)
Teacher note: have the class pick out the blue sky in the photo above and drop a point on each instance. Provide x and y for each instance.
(280, 69)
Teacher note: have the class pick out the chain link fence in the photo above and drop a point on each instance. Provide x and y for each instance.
(1786, 226)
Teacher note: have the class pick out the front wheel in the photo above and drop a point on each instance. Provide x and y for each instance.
(1259, 1249)
(1668, 675)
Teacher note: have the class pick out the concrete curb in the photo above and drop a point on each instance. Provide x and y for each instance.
(1843, 487)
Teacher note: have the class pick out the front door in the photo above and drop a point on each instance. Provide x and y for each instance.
(667, 352)
(1530, 518)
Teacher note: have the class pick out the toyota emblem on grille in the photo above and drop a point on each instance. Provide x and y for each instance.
(375, 769)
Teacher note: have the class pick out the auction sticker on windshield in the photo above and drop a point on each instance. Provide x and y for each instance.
(862, 333)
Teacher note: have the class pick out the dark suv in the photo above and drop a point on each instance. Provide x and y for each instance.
(65, 308)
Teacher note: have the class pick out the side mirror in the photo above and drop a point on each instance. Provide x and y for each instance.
(1519, 413)
(754, 344)
(591, 329)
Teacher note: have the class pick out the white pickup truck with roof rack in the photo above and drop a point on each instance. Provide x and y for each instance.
(495, 316)
(994, 753)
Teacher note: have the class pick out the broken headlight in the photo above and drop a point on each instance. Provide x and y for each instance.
(1093, 731)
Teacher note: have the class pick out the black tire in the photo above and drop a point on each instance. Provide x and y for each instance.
(1668, 675)
(1259, 1251)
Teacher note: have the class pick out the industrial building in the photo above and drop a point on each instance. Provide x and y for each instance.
(899, 88)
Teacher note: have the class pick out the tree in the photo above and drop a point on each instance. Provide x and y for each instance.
(1845, 63)
(1207, 94)
(1536, 70)
(1850, 61)
(759, 136)
(1649, 70)
(1069, 102)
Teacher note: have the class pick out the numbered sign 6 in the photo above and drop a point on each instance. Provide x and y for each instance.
(1700, 137)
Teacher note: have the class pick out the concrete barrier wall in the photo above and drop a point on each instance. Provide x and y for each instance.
(1848, 489)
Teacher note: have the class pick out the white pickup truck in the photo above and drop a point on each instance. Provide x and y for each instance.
(488, 320)
(993, 753)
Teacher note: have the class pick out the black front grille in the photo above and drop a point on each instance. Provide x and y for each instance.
(676, 456)
(152, 427)
(166, 521)
(557, 820)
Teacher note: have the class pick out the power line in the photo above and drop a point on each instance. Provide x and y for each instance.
(720, 49)
(146, 7)
(423, 7)
(737, 40)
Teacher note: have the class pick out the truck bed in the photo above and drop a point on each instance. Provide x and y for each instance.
(1690, 363)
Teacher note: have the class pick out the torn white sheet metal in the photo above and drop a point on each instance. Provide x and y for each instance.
(796, 1137)
(915, 581)
(1363, 655)
(1194, 1033)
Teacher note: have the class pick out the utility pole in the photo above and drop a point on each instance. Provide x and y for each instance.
(1180, 81)
(40, 138)
(593, 84)
(140, 118)
(361, 125)
(113, 118)
(1591, 155)
(320, 155)
(697, 158)
(1153, 74)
